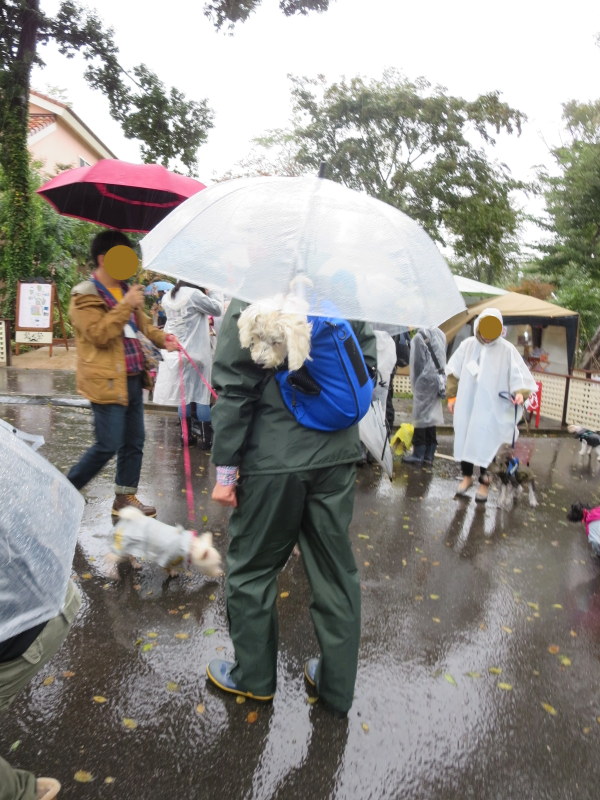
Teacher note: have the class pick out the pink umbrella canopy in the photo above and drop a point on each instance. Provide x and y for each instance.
(117, 194)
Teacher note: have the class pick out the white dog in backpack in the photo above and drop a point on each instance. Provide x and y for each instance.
(590, 440)
(138, 536)
(275, 329)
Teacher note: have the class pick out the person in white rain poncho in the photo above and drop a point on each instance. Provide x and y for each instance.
(427, 359)
(483, 369)
(187, 308)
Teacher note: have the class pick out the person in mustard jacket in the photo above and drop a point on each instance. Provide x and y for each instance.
(295, 486)
(107, 314)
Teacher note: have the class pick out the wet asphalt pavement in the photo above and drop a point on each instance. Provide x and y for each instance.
(479, 673)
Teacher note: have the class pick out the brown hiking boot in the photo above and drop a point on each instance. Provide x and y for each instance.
(123, 500)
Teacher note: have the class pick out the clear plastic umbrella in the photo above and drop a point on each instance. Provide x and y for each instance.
(256, 237)
(40, 514)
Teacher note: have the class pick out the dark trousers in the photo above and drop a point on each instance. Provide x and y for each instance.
(467, 470)
(312, 508)
(119, 430)
(425, 436)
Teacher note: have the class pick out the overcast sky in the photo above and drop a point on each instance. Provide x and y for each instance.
(538, 53)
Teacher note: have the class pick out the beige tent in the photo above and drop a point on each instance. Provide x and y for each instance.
(521, 309)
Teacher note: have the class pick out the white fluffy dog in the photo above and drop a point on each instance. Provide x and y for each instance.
(138, 536)
(275, 329)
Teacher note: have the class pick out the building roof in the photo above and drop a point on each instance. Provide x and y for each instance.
(38, 122)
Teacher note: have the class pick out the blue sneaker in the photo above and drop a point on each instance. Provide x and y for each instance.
(218, 672)
(310, 671)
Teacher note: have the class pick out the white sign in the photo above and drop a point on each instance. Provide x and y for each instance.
(35, 305)
(33, 337)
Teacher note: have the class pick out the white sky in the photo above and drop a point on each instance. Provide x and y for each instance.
(538, 53)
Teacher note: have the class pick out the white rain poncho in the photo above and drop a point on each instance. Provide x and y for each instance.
(483, 420)
(427, 406)
(372, 428)
(187, 317)
(40, 514)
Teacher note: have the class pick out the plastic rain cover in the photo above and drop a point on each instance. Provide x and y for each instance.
(40, 514)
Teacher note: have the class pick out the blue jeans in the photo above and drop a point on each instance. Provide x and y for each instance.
(119, 430)
(202, 412)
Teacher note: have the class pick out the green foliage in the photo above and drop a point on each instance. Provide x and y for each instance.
(580, 293)
(411, 145)
(228, 12)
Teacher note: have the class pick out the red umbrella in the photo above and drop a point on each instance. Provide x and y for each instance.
(129, 197)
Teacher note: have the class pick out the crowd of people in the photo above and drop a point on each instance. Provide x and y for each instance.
(288, 485)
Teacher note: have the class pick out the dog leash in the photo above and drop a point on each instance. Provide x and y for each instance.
(187, 466)
(510, 397)
(193, 363)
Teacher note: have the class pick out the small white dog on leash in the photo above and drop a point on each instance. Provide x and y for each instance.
(590, 440)
(138, 536)
(275, 329)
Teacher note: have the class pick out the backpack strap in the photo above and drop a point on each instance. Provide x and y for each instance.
(433, 355)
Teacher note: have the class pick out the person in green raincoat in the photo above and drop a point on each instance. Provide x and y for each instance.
(287, 485)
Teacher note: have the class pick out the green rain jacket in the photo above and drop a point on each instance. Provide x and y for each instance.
(253, 429)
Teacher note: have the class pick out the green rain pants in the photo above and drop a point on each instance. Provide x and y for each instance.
(312, 508)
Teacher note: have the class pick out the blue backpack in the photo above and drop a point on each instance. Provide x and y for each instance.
(333, 389)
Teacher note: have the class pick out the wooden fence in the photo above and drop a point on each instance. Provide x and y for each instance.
(566, 399)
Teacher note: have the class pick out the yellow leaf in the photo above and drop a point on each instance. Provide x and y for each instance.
(535, 606)
(550, 709)
(109, 780)
(284, 594)
(473, 674)
(68, 674)
(436, 619)
(517, 571)
(362, 536)
(404, 562)
(204, 518)
(200, 709)
(367, 563)
(81, 776)
(554, 649)
(131, 724)
(505, 686)
(252, 717)
(434, 597)
(172, 686)
(312, 700)
(556, 605)
(365, 727)
(98, 698)
(152, 635)
(211, 597)
(186, 616)
(48, 681)
(449, 678)
(506, 630)
(565, 661)
(182, 636)
(147, 646)
(495, 670)
(86, 576)
(239, 699)
(173, 611)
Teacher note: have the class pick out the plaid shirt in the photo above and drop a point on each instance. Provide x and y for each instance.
(134, 356)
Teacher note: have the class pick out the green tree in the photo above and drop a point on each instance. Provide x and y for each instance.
(226, 13)
(412, 145)
(169, 127)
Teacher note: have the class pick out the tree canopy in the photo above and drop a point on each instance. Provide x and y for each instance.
(226, 13)
(416, 147)
(169, 127)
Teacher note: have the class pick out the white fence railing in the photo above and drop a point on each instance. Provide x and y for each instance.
(566, 399)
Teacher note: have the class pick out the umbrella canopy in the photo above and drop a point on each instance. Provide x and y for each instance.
(251, 238)
(158, 286)
(117, 194)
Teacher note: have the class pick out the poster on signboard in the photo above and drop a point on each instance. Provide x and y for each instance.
(35, 302)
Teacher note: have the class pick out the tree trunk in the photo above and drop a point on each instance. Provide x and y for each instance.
(14, 156)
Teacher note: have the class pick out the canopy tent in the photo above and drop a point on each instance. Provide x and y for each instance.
(521, 309)
(469, 287)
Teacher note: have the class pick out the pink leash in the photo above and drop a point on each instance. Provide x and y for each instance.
(187, 466)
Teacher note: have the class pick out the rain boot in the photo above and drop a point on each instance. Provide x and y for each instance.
(191, 435)
(207, 436)
(417, 455)
(429, 454)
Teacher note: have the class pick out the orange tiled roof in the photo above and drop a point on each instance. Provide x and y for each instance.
(38, 122)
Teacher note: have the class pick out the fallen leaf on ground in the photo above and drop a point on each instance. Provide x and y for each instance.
(506, 629)
(252, 717)
(284, 594)
(434, 597)
(505, 686)
(200, 709)
(131, 724)
(473, 674)
(550, 709)
(239, 699)
(363, 536)
(109, 780)
(565, 661)
(48, 681)
(98, 698)
(81, 776)
(365, 727)
(152, 635)
(186, 616)
(172, 686)
(68, 674)
(554, 649)
(14, 746)
(147, 646)
(212, 597)
(182, 636)
(449, 678)
(495, 670)
(209, 631)
(86, 576)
